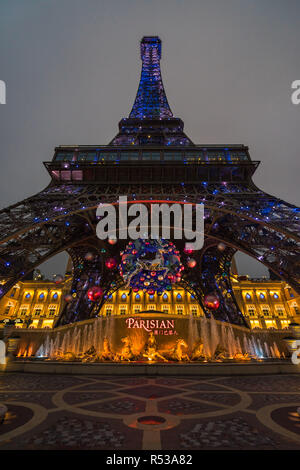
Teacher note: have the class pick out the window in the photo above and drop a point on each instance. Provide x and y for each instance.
(51, 311)
(55, 296)
(172, 156)
(265, 311)
(248, 296)
(194, 310)
(27, 295)
(179, 310)
(261, 296)
(151, 155)
(23, 311)
(251, 311)
(136, 309)
(37, 311)
(123, 309)
(87, 157)
(165, 308)
(280, 311)
(137, 297)
(123, 297)
(41, 296)
(296, 308)
(191, 156)
(129, 156)
(108, 311)
(276, 296)
(13, 292)
(63, 157)
(178, 297)
(165, 297)
(108, 156)
(151, 307)
(7, 309)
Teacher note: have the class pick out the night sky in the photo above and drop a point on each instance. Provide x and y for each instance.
(72, 68)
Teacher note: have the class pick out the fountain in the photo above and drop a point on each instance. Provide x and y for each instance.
(149, 339)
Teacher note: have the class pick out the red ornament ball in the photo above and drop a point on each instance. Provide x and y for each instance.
(212, 301)
(95, 293)
(187, 249)
(58, 278)
(111, 263)
(191, 263)
(112, 241)
(221, 246)
(89, 256)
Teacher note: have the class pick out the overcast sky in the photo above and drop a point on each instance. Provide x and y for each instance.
(72, 67)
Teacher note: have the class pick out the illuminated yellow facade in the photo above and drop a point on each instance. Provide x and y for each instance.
(264, 303)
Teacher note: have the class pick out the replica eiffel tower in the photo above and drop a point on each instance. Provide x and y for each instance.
(150, 159)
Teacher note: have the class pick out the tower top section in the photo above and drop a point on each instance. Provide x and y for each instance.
(151, 120)
(151, 101)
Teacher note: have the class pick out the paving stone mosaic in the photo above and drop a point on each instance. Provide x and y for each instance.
(94, 412)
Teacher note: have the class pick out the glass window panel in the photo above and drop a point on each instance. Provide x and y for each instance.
(173, 156)
(63, 157)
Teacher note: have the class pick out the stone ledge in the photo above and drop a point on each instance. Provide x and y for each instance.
(152, 369)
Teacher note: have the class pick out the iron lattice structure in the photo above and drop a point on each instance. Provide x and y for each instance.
(150, 159)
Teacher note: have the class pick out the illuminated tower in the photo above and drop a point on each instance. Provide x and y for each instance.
(150, 159)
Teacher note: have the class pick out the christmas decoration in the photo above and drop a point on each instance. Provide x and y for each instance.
(68, 298)
(111, 263)
(95, 293)
(191, 263)
(211, 301)
(150, 265)
(221, 246)
(89, 256)
(58, 278)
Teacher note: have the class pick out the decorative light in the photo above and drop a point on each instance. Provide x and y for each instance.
(58, 278)
(95, 293)
(221, 246)
(191, 263)
(212, 301)
(111, 263)
(89, 256)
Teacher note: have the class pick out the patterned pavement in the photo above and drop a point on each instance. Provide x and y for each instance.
(132, 413)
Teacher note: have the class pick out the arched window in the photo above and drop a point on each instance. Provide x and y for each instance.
(248, 296)
(165, 297)
(261, 296)
(137, 297)
(178, 297)
(123, 296)
(55, 296)
(27, 296)
(41, 296)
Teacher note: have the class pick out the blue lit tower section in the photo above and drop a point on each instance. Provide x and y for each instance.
(151, 121)
(151, 101)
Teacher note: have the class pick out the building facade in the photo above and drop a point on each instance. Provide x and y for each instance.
(264, 303)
